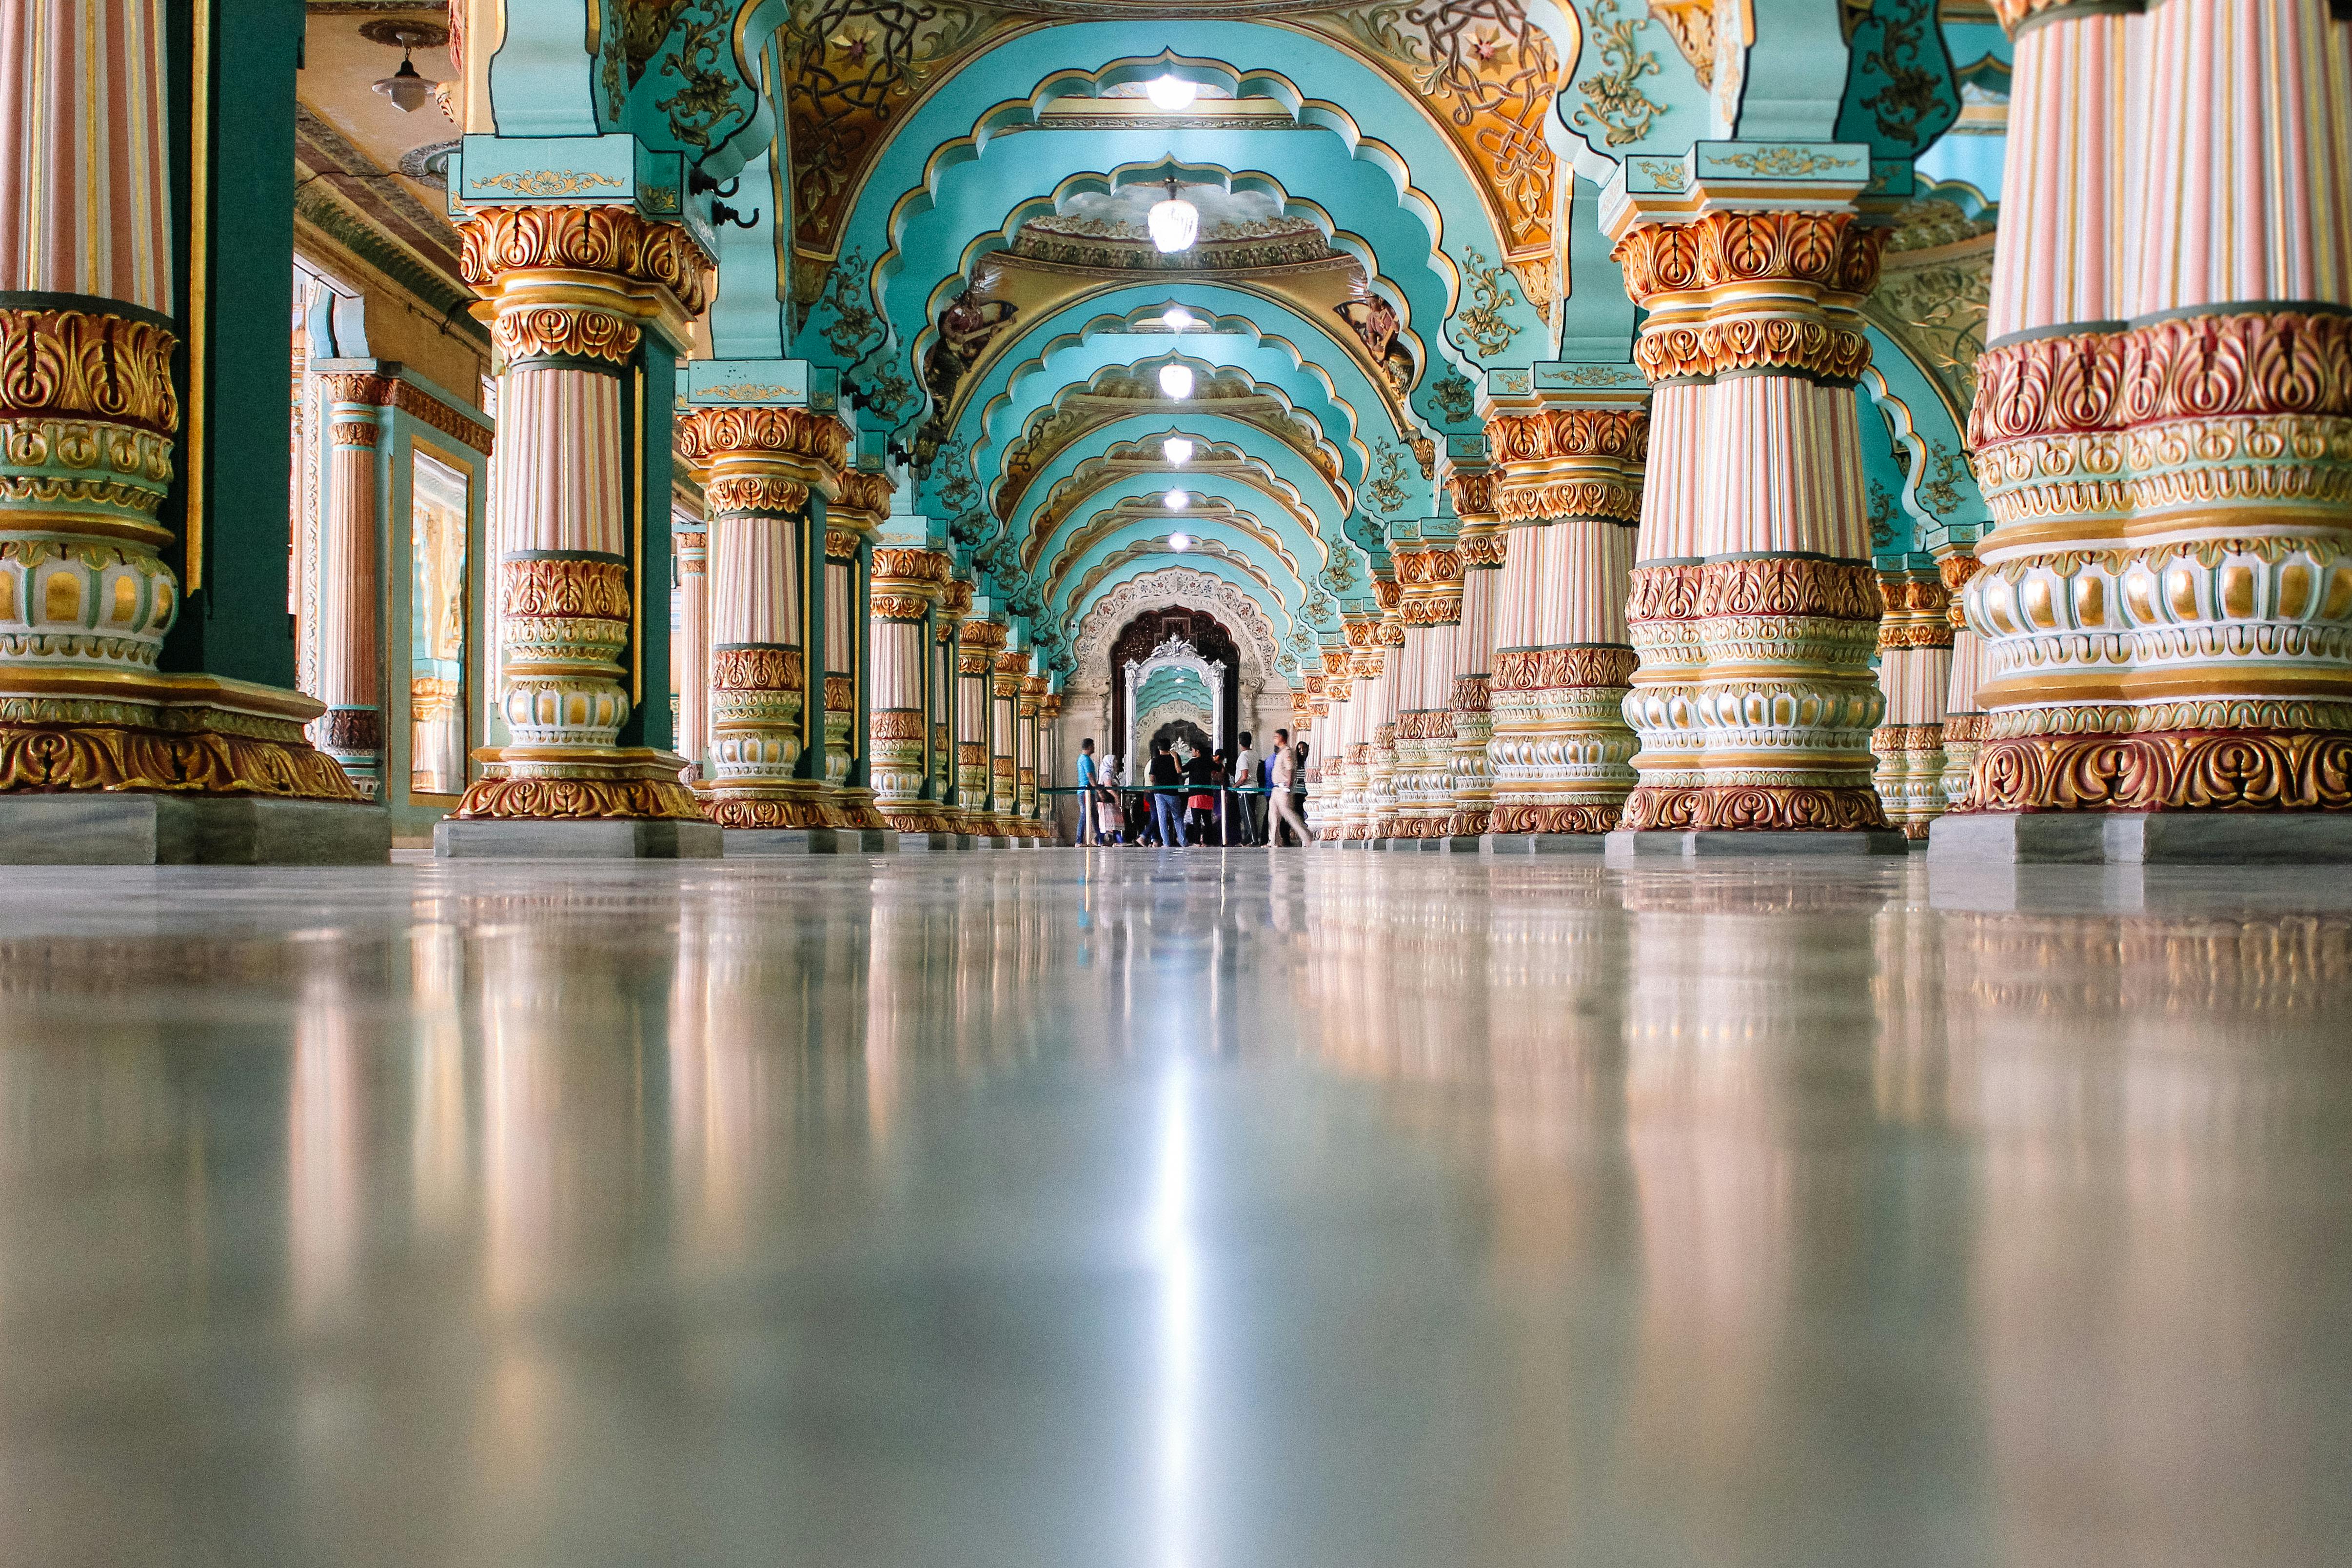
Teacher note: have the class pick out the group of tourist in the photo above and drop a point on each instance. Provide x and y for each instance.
(1223, 797)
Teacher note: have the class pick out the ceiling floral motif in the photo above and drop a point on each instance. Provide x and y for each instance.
(857, 67)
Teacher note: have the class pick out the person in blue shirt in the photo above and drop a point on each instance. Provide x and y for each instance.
(1087, 779)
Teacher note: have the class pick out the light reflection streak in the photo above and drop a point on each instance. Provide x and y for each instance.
(1175, 1258)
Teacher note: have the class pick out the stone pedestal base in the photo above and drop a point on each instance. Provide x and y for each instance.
(2143, 839)
(925, 843)
(751, 843)
(1543, 842)
(111, 828)
(1631, 844)
(585, 838)
(1461, 844)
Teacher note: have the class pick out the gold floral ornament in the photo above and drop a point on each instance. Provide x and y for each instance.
(1615, 103)
(1386, 487)
(1786, 162)
(547, 182)
(1484, 323)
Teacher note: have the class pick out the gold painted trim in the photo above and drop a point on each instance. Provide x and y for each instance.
(2047, 687)
(637, 545)
(200, 158)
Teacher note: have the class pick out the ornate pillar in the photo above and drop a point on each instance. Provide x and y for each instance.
(1480, 547)
(851, 520)
(2163, 427)
(571, 290)
(1914, 673)
(1353, 818)
(1568, 491)
(1381, 722)
(1031, 754)
(947, 704)
(758, 466)
(908, 584)
(350, 586)
(691, 653)
(1049, 763)
(1004, 743)
(1754, 607)
(1327, 761)
(1430, 573)
(1964, 719)
(982, 640)
(89, 422)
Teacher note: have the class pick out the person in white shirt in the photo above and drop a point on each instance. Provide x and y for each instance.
(1253, 806)
(1285, 804)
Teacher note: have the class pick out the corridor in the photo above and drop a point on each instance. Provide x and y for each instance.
(1202, 1211)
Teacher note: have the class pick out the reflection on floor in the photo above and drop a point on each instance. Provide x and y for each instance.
(1206, 1210)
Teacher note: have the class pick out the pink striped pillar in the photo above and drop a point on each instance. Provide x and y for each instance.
(1569, 490)
(1753, 602)
(350, 585)
(89, 328)
(1429, 571)
(758, 466)
(1480, 547)
(570, 289)
(2163, 424)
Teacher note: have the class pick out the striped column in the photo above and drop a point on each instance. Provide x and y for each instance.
(1049, 763)
(1327, 756)
(947, 701)
(1381, 761)
(1481, 547)
(88, 326)
(350, 585)
(851, 520)
(1965, 720)
(907, 585)
(691, 653)
(982, 640)
(571, 289)
(2163, 424)
(758, 466)
(1366, 663)
(1011, 667)
(1430, 573)
(1568, 491)
(1914, 673)
(1753, 606)
(1031, 752)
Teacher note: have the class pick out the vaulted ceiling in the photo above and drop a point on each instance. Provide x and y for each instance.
(942, 209)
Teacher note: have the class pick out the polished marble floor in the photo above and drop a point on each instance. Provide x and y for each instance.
(1204, 1211)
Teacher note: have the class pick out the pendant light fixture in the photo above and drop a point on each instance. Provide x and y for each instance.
(408, 89)
(1177, 449)
(1179, 543)
(1176, 381)
(1177, 501)
(1172, 93)
(1175, 222)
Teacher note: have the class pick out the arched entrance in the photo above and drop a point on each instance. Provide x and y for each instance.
(1214, 711)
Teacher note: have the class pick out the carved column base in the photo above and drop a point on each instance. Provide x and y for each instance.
(1518, 816)
(1754, 809)
(919, 818)
(785, 802)
(141, 730)
(2192, 770)
(1964, 735)
(1910, 778)
(1472, 812)
(579, 782)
